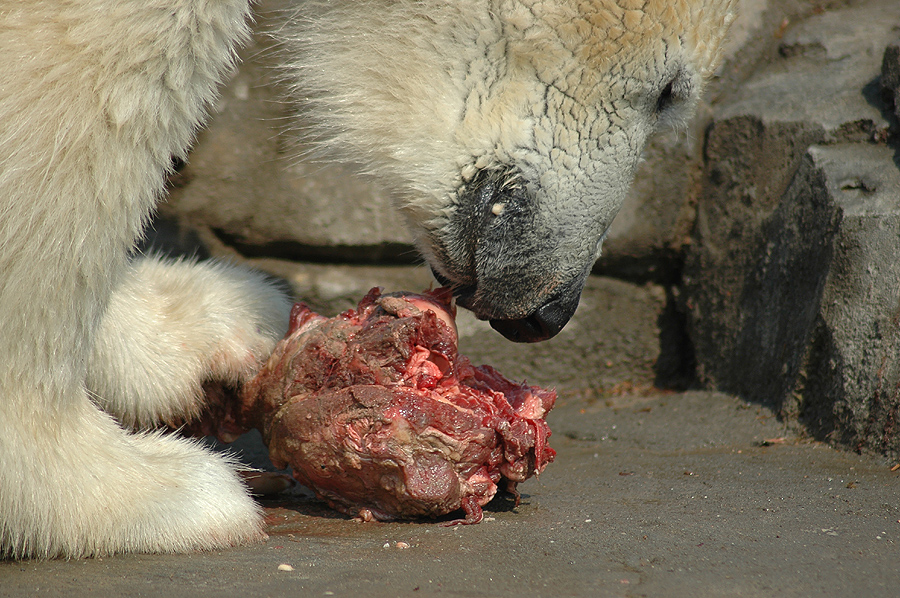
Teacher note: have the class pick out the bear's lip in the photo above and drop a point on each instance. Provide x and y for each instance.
(463, 293)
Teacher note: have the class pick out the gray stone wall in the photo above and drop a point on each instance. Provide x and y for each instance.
(246, 184)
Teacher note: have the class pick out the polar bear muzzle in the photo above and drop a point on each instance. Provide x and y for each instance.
(545, 322)
(508, 257)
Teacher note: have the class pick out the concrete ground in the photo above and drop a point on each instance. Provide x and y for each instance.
(694, 494)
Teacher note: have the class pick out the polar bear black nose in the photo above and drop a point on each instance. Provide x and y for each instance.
(526, 330)
(543, 324)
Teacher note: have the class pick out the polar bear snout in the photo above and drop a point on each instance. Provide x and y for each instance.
(510, 259)
(544, 323)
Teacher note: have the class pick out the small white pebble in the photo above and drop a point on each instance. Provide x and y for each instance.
(587, 520)
(285, 567)
(498, 208)
(387, 545)
(489, 519)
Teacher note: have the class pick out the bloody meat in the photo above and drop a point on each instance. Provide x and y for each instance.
(378, 414)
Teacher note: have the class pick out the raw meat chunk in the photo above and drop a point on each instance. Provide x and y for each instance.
(376, 412)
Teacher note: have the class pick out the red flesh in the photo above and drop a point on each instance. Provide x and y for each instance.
(376, 412)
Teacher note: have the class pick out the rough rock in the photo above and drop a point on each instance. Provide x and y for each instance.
(791, 286)
(816, 321)
(827, 76)
(750, 167)
(890, 75)
(850, 389)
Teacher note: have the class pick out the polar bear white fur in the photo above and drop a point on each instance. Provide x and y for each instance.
(545, 105)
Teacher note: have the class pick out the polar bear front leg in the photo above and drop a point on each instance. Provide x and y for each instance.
(96, 96)
(171, 326)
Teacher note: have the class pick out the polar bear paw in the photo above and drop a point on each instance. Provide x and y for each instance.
(171, 327)
(86, 487)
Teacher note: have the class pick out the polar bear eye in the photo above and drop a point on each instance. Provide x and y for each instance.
(666, 97)
(674, 99)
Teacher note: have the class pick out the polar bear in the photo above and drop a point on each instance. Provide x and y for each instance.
(507, 129)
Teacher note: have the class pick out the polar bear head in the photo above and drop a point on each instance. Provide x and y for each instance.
(508, 130)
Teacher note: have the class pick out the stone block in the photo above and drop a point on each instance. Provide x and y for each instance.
(750, 168)
(805, 314)
(790, 286)
(827, 75)
(849, 390)
(890, 75)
